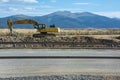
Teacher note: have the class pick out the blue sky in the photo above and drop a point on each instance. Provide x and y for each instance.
(110, 8)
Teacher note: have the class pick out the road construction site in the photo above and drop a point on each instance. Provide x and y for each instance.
(63, 40)
(55, 37)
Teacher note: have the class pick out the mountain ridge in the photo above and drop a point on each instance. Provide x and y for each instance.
(67, 19)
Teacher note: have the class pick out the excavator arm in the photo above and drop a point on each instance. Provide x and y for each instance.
(24, 21)
(9, 23)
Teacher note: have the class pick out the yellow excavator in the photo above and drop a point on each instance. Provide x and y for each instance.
(42, 28)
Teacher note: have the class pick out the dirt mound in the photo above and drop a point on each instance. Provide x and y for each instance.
(118, 37)
(74, 42)
(55, 39)
(65, 77)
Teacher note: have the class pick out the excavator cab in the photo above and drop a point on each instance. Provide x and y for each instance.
(41, 26)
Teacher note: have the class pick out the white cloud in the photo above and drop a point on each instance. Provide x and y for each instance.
(26, 1)
(29, 1)
(79, 3)
(29, 8)
(69, 9)
(86, 3)
(12, 9)
(53, 0)
(17, 10)
(45, 6)
(110, 14)
(4, 0)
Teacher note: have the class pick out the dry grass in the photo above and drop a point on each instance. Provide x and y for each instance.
(65, 31)
(91, 31)
(18, 31)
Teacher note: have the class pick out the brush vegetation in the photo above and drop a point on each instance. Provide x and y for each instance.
(26, 32)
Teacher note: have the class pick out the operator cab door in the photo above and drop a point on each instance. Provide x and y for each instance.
(41, 26)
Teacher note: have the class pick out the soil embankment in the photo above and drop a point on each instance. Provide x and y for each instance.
(65, 77)
(67, 38)
(70, 41)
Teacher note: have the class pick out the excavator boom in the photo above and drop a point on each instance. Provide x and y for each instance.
(24, 21)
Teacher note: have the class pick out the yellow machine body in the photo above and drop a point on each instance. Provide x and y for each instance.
(49, 30)
(42, 28)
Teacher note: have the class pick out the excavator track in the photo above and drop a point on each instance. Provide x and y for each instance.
(43, 35)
